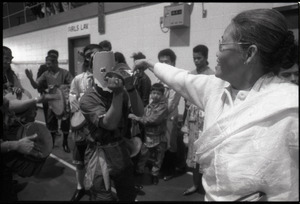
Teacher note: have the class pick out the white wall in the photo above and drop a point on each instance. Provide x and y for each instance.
(131, 31)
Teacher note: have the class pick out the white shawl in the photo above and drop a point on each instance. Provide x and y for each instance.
(252, 146)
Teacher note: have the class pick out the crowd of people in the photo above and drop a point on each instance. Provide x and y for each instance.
(240, 122)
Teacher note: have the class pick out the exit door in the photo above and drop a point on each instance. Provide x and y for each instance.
(76, 46)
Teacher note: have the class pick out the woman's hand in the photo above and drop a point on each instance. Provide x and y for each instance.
(143, 63)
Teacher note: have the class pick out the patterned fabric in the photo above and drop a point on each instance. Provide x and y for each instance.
(193, 124)
(193, 127)
(154, 119)
(248, 147)
(155, 155)
(171, 132)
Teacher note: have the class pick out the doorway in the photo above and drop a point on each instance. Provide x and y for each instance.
(76, 46)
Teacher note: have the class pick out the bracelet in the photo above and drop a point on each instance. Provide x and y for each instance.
(36, 99)
(131, 90)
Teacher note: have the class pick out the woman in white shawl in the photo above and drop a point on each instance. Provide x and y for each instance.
(250, 135)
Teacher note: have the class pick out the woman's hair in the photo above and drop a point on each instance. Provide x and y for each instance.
(105, 45)
(268, 30)
(119, 57)
(137, 56)
(203, 50)
(158, 87)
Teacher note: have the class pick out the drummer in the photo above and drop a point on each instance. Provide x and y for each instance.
(8, 142)
(55, 76)
(24, 111)
(79, 85)
(15, 113)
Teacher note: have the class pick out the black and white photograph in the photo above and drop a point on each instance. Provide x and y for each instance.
(150, 102)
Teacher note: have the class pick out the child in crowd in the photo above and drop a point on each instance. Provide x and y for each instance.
(154, 120)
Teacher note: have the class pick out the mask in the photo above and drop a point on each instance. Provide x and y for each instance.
(103, 62)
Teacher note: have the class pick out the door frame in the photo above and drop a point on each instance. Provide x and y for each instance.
(71, 51)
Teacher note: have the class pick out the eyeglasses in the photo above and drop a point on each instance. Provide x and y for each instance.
(221, 49)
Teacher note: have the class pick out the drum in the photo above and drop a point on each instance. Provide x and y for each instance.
(57, 105)
(77, 120)
(28, 165)
(25, 95)
(134, 145)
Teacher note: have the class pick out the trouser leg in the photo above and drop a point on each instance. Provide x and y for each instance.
(124, 185)
(45, 110)
(142, 159)
(159, 152)
(65, 127)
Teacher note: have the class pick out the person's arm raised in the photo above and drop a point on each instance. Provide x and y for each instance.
(137, 105)
(144, 63)
(30, 77)
(112, 117)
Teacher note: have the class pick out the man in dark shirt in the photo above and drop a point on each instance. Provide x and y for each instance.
(143, 82)
(143, 87)
(106, 109)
